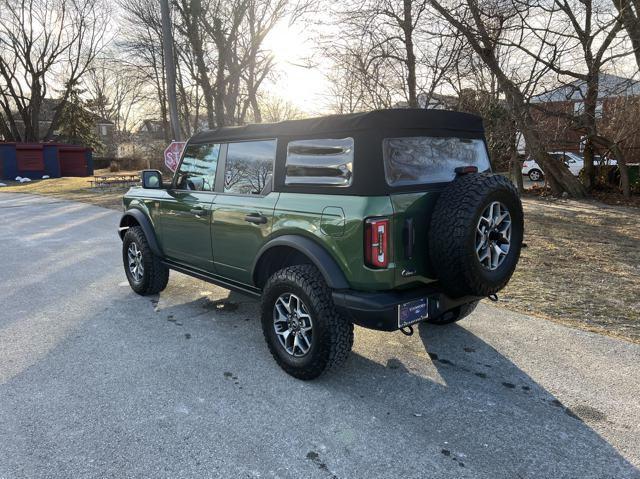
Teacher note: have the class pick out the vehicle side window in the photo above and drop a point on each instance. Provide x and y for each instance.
(324, 161)
(198, 168)
(249, 167)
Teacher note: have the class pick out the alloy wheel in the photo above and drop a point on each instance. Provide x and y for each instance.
(493, 236)
(136, 266)
(293, 324)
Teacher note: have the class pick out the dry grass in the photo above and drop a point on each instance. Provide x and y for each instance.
(581, 265)
(71, 188)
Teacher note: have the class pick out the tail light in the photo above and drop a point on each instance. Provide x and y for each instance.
(524, 164)
(376, 241)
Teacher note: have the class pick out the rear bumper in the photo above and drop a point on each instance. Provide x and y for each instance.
(380, 310)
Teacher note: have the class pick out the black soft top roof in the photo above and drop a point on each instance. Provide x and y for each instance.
(378, 122)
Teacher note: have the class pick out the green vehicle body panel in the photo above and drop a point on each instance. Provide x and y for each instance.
(236, 241)
(417, 207)
(185, 236)
(318, 217)
(222, 242)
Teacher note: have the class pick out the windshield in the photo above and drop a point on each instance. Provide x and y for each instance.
(426, 159)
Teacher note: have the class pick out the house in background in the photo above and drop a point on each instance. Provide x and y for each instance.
(104, 129)
(146, 141)
(435, 102)
(149, 140)
(617, 111)
(151, 129)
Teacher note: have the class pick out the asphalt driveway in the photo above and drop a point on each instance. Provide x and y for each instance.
(96, 381)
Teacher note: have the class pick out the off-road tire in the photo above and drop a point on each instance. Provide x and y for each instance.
(156, 274)
(332, 334)
(452, 234)
(453, 315)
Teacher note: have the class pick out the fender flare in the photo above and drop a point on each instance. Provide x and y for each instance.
(322, 260)
(145, 223)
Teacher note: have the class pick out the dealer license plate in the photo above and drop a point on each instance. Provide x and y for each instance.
(412, 312)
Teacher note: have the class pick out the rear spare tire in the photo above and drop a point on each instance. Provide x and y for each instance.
(475, 234)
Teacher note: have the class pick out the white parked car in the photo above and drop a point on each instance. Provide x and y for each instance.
(574, 162)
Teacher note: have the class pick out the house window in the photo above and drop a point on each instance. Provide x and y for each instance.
(578, 108)
(103, 130)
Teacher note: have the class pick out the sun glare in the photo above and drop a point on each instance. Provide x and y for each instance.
(299, 79)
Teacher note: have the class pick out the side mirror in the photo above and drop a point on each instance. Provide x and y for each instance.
(151, 179)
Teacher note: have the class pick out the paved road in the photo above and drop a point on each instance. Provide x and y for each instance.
(98, 382)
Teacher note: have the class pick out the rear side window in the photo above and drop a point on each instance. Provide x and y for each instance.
(426, 159)
(249, 167)
(319, 162)
(198, 168)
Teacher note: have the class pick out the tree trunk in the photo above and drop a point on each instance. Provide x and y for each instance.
(191, 17)
(558, 175)
(411, 57)
(257, 114)
(589, 174)
(631, 23)
(515, 168)
(625, 183)
(220, 91)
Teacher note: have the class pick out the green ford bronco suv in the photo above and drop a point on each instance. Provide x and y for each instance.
(380, 219)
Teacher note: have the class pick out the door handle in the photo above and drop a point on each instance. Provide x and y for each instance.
(256, 218)
(198, 211)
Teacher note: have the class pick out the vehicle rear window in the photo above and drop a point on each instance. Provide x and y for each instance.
(326, 161)
(427, 159)
(249, 167)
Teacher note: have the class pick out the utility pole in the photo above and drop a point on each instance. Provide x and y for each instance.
(170, 67)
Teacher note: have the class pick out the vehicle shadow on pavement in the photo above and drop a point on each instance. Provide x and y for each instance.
(485, 412)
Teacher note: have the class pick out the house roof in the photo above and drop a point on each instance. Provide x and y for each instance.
(609, 86)
(49, 107)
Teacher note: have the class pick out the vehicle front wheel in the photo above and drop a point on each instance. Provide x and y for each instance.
(453, 315)
(305, 333)
(145, 271)
(535, 175)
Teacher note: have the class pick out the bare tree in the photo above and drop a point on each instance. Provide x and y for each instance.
(140, 40)
(485, 26)
(47, 46)
(115, 92)
(583, 38)
(274, 109)
(388, 53)
(629, 11)
(359, 78)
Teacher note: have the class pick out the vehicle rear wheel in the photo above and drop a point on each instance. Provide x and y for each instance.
(145, 271)
(305, 333)
(535, 175)
(453, 315)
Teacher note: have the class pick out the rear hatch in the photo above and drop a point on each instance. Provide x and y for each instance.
(419, 168)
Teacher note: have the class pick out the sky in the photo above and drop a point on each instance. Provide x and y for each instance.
(304, 87)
